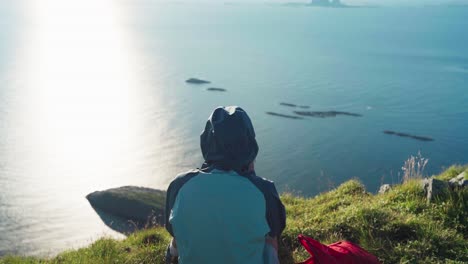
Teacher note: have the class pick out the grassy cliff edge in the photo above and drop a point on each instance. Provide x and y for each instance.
(399, 226)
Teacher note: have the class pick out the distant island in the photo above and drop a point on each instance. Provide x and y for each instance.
(327, 3)
(400, 134)
(196, 81)
(215, 89)
(323, 3)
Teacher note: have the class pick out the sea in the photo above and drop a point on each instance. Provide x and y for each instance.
(93, 96)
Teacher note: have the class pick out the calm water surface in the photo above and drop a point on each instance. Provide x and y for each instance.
(92, 96)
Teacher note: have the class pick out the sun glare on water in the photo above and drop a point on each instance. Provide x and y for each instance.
(75, 124)
(81, 85)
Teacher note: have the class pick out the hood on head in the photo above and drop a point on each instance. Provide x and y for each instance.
(229, 139)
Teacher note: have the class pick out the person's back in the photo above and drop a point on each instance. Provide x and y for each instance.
(224, 213)
(213, 221)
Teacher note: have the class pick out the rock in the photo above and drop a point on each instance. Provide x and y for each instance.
(120, 224)
(399, 134)
(196, 81)
(137, 204)
(434, 188)
(385, 188)
(459, 181)
(324, 114)
(283, 115)
(214, 89)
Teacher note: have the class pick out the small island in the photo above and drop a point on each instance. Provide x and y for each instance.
(288, 104)
(294, 105)
(400, 134)
(197, 81)
(327, 3)
(283, 115)
(215, 89)
(325, 114)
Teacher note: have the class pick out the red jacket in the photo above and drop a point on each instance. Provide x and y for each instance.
(343, 252)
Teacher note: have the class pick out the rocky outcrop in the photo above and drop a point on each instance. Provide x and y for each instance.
(459, 182)
(434, 188)
(142, 206)
(385, 188)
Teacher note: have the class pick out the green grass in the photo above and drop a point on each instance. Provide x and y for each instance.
(146, 246)
(398, 227)
(452, 172)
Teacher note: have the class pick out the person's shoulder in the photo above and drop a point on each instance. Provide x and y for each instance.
(264, 184)
(187, 174)
(182, 178)
(260, 179)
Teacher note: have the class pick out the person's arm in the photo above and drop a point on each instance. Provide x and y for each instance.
(276, 213)
(172, 255)
(270, 253)
(171, 195)
(273, 241)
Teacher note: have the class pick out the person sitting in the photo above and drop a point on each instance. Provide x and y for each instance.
(223, 212)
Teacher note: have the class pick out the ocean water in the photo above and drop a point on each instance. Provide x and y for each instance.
(93, 96)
